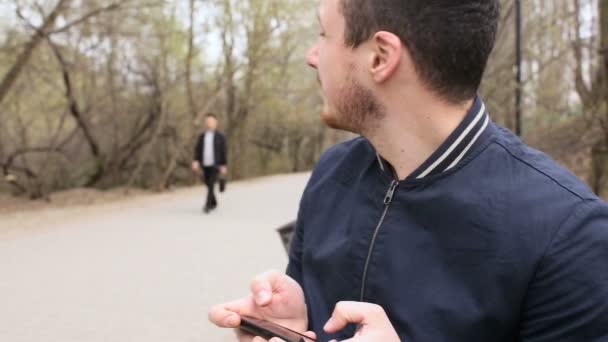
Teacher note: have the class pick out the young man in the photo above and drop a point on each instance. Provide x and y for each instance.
(211, 154)
(451, 224)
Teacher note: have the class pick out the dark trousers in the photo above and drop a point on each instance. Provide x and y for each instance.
(210, 175)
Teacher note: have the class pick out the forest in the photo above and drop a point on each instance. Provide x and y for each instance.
(109, 93)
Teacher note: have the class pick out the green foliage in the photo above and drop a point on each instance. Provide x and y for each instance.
(128, 71)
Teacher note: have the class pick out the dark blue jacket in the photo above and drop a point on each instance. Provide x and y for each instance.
(220, 149)
(489, 240)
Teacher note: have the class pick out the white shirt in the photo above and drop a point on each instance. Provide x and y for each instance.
(208, 152)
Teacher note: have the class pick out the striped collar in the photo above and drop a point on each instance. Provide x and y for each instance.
(456, 146)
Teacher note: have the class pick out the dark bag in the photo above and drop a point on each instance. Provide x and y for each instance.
(222, 182)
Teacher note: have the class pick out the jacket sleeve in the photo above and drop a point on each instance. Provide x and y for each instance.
(224, 150)
(198, 150)
(567, 299)
(296, 249)
(294, 267)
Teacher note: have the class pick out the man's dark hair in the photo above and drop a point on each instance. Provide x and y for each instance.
(211, 115)
(449, 40)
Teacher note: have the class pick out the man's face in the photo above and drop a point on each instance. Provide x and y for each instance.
(211, 122)
(348, 105)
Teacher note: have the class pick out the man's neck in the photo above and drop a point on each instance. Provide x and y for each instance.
(413, 130)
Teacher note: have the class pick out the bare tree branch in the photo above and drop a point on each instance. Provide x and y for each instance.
(95, 12)
(23, 58)
(77, 114)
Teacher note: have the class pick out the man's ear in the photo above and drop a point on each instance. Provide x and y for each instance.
(387, 56)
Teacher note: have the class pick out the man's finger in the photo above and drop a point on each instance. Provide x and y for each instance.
(264, 285)
(228, 315)
(221, 317)
(311, 334)
(354, 312)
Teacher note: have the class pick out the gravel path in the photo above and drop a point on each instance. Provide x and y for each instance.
(142, 269)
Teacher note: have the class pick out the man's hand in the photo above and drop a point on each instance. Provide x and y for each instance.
(274, 297)
(276, 339)
(373, 322)
(223, 170)
(196, 166)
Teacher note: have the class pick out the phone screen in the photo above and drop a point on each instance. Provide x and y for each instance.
(268, 330)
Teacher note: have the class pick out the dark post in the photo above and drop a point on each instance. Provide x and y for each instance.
(518, 56)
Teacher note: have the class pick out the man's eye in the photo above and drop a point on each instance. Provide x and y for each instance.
(322, 34)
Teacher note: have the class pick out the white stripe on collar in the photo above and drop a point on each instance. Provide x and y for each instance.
(380, 161)
(457, 142)
(464, 152)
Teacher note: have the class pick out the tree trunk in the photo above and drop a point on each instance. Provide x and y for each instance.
(189, 57)
(78, 116)
(39, 35)
(603, 5)
(600, 151)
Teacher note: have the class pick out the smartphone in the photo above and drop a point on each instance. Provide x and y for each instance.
(268, 330)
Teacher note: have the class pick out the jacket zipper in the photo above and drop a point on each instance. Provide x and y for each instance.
(388, 198)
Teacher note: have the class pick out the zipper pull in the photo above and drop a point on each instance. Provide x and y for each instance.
(391, 192)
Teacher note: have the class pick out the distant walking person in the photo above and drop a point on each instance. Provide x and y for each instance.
(211, 155)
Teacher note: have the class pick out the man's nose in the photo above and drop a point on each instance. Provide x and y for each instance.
(312, 58)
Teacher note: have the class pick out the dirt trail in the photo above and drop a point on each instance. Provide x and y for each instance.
(141, 269)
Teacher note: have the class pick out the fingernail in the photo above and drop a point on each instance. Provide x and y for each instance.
(263, 296)
(327, 325)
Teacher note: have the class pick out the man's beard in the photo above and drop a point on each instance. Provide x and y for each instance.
(356, 110)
